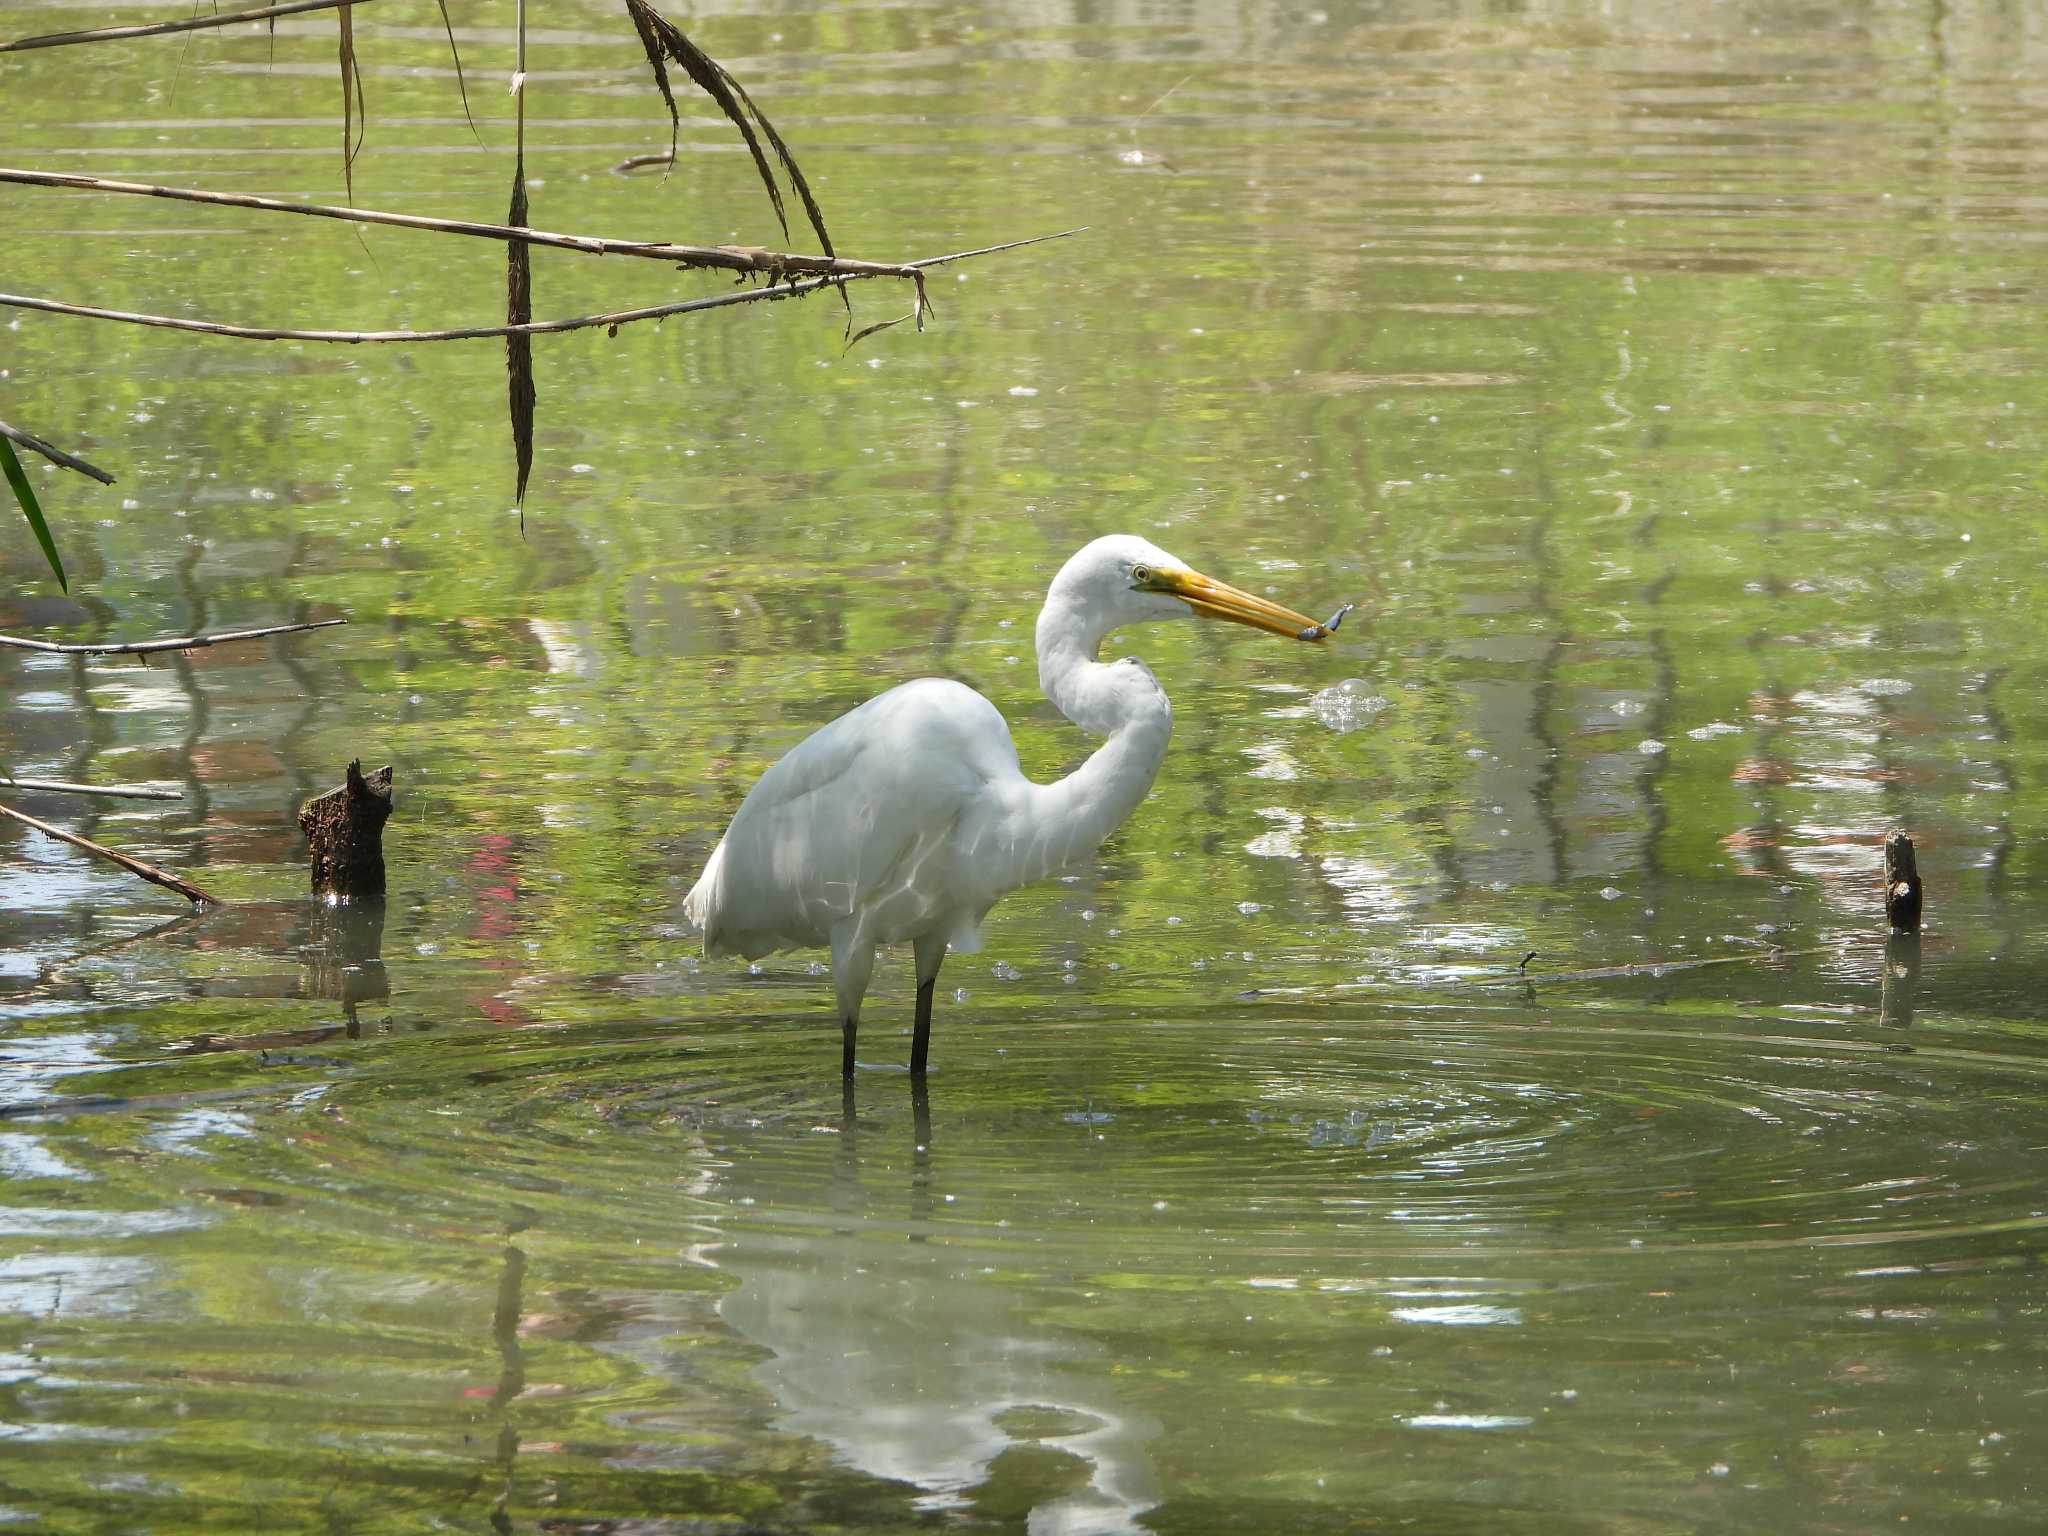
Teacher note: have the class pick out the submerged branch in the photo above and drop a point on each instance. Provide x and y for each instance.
(1763, 955)
(188, 24)
(149, 872)
(111, 791)
(148, 647)
(54, 454)
(610, 321)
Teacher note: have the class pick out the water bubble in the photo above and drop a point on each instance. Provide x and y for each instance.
(1249, 908)
(1348, 706)
(1610, 893)
(1650, 746)
(1002, 970)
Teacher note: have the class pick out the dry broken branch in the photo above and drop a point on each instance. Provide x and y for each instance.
(610, 320)
(149, 647)
(54, 454)
(729, 258)
(149, 872)
(188, 24)
(110, 791)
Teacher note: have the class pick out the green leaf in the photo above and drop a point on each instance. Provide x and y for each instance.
(30, 509)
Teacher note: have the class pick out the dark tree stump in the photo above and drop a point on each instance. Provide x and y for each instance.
(1901, 883)
(345, 835)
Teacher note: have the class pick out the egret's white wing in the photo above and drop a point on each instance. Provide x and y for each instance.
(858, 822)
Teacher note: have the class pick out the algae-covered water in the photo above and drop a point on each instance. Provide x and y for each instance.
(1662, 381)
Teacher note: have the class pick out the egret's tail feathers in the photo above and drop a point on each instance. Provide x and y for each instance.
(700, 907)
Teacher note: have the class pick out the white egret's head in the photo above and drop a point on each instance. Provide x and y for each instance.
(1122, 579)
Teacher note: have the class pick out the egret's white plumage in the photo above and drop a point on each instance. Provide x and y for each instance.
(906, 818)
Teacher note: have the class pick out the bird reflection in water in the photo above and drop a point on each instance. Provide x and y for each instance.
(897, 1341)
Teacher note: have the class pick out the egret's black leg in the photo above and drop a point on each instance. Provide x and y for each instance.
(931, 954)
(921, 1121)
(846, 1047)
(921, 1036)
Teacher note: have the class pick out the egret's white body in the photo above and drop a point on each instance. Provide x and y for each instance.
(907, 817)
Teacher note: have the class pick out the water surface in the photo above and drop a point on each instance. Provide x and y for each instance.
(1663, 384)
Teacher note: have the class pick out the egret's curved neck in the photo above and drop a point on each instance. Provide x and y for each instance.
(1069, 819)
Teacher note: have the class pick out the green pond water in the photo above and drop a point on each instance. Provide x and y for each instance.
(1663, 381)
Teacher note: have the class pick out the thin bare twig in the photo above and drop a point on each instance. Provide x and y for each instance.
(189, 24)
(111, 791)
(53, 453)
(148, 647)
(610, 321)
(729, 258)
(149, 872)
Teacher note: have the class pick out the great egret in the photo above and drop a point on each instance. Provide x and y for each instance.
(907, 817)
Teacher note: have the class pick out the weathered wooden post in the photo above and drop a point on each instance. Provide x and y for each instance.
(345, 835)
(1901, 977)
(1901, 883)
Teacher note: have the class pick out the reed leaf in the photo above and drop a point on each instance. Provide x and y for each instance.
(17, 479)
(455, 53)
(666, 44)
(355, 121)
(519, 346)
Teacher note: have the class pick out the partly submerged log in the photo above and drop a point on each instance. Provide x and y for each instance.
(1901, 883)
(345, 835)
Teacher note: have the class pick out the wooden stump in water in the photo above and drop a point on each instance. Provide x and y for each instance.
(345, 835)
(1901, 883)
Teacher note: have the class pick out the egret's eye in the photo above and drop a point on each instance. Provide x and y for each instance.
(1140, 575)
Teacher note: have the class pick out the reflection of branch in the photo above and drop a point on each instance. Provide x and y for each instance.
(149, 872)
(148, 647)
(792, 290)
(512, 1358)
(54, 974)
(112, 791)
(190, 24)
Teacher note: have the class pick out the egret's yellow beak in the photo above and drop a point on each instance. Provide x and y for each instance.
(1216, 600)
